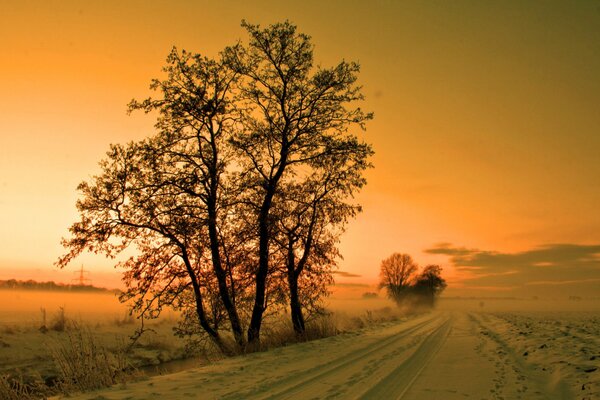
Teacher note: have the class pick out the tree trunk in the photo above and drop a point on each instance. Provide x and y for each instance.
(214, 334)
(263, 252)
(264, 235)
(261, 276)
(295, 307)
(221, 275)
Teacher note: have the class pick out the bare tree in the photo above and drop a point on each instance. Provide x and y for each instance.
(396, 274)
(294, 115)
(311, 215)
(249, 173)
(166, 195)
(197, 116)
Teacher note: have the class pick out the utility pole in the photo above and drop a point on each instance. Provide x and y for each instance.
(81, 279)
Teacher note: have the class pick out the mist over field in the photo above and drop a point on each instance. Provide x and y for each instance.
(528, 348)
(299, 200)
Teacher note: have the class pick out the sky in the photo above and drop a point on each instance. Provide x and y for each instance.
(486, 128)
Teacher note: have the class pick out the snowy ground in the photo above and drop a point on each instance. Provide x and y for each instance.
(440, 355)
(26, 351)
(470, 348)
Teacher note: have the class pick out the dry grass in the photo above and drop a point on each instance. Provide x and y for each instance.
(85, 365)
(9, 330)
(82, 365)
(59, 321)
(16, 389)
(11, 390)
(321, 327)
(126, 319)
(281, 333)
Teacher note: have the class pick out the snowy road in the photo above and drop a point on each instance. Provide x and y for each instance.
(382, 368)
(434, 356)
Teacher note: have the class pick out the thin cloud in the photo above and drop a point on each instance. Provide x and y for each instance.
(346, 274)
(352, 285)
(563, 282)
(552, 265)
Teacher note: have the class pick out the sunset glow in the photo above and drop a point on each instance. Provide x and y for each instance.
(486, 129)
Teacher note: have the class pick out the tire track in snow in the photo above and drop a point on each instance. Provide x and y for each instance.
(395, 384)
(334, 378)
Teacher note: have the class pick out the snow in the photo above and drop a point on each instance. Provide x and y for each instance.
(437, 355)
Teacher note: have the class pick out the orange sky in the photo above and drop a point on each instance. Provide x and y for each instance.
(486, 129)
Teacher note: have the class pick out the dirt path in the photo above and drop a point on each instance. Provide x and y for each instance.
(436, 356)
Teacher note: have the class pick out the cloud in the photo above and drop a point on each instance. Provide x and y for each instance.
(352, 285)
(563, 282)
(548, 265)
(346, 274)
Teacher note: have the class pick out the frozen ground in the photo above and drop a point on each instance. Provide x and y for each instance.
(469, 348)
(26, 351)
(440, 355)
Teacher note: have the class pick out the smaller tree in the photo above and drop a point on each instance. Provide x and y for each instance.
(429, 284)
(396, 275)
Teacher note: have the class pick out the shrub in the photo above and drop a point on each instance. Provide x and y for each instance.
(59, 321)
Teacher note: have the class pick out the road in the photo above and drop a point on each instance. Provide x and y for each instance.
(434, 356)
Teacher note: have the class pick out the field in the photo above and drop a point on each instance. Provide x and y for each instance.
(35, 326)
(466, 348)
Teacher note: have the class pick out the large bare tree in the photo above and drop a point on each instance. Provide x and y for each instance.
(250, 172)
(169, 187)
(295, 115)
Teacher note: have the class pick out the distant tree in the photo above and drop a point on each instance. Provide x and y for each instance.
(396, 275)
(429, 284)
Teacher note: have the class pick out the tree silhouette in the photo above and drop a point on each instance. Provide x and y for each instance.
(311, 216)
(429, 283)
(295, 117)
(396, 275)
(161, 194)
(242, 191)
(197, 119)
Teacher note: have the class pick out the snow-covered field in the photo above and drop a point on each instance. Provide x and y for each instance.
(439, 355)
(26, 350)
(467, 348)
(558, 349)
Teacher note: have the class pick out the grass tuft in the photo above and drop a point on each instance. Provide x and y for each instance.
(126, 319)
(86, 365)
(59, 321)
(9, 330)
(14, 389)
